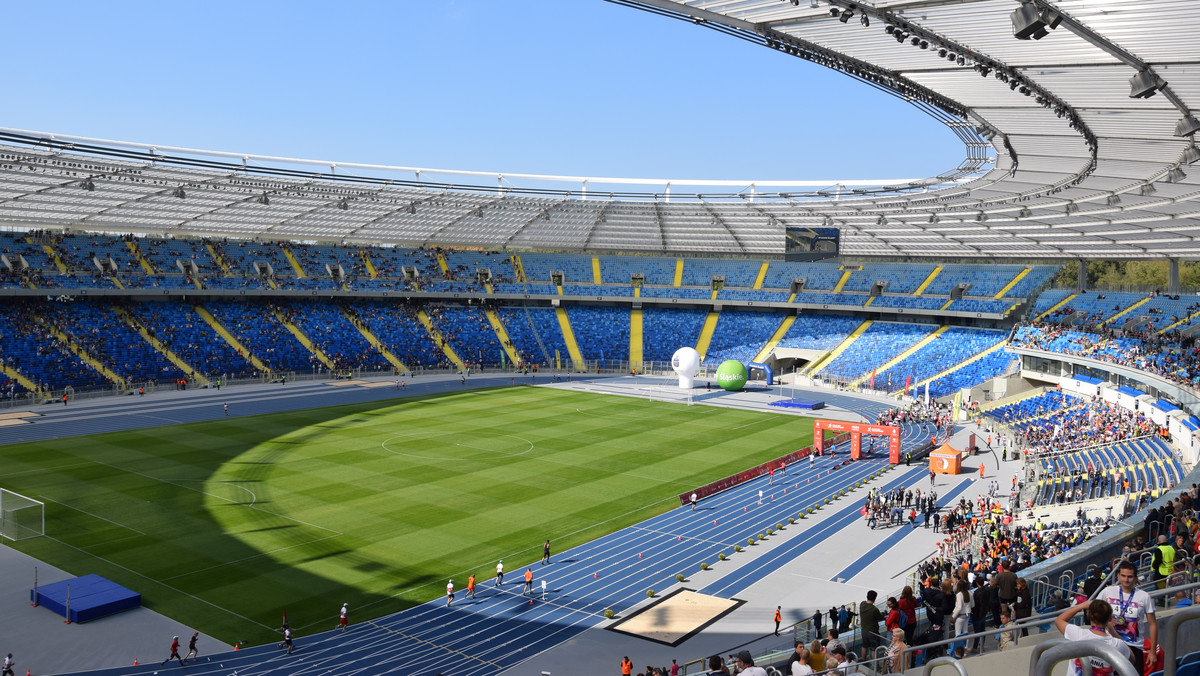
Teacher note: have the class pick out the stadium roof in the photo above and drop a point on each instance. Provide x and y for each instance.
(1061, 159)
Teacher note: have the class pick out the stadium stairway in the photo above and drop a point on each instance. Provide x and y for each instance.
(58, 262)
(965, 362)
(291, 257)
(15, 375)
(366, 259)
(903, 355)
(928, 280)
(80, 352)
(502, 335)
(1051, 311)
(518, 268)
(304, 340)
(1010, 285)
(1186, 320)
(706, 333)
(597, 278)
(635, 332)
(564, 324)
(816, 366)
(228, 338)
(216, 256)
(776, 337)
(1127, 310)
(366, 332)
(841, 283)
(762, 274)
(159, 346)
(442, 264)
(677, 281)
(438, 339)
(137, 253)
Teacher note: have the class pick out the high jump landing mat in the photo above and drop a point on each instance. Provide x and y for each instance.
(675, 617)
(90, 597)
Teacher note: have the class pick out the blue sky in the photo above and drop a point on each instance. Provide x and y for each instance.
(575, 87)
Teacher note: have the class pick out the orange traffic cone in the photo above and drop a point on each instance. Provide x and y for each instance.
(135, 662)
(639, 555)
(596, 575)
(681, 538)
(235, 646)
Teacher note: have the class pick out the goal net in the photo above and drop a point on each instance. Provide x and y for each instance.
(21, 517)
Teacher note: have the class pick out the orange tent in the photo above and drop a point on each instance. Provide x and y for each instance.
(945, 460)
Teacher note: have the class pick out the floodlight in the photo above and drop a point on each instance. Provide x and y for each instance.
(889, 29)
(1145, 84)
(864, 20)
(834, 11)
(343, 204)
(882, 220)
(942, 53)
(264, 200)
(1175, 175)
(1113, 200)
(87, 184)
(1190, 155)
(844, 17)
(934, 218)
(1027, 22)
(1187, 125)
(1024, 213)
(981, 217)
(1072, 208)
(411, 208)
(178, 192)
(1147, 190)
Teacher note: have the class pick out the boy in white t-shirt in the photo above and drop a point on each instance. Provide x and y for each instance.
(1133, 612)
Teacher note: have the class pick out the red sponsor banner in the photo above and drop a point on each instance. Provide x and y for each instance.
(907, 382)
(872, 385)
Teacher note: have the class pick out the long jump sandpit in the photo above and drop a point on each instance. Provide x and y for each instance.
(675, 617)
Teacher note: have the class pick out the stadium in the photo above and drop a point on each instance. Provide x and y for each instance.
(238, 387)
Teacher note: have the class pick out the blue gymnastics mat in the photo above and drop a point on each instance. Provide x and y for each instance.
(91, 597)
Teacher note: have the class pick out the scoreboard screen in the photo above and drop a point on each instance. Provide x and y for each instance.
(810, 244)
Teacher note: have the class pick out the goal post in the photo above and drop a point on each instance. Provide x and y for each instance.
(21, 518)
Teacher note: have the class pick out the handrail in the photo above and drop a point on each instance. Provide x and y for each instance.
(943, 662)
(1169, 637)
(1073, 649)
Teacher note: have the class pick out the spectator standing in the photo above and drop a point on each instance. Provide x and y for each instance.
(1133, 614)
(869, 618)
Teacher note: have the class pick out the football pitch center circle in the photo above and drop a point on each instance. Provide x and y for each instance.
(457, 445)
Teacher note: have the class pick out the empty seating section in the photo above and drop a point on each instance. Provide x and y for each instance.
(397, 328)
(30, 349)
(531, 329)
(681, 292)
(900, 278)
(825, 298)
(314, 257)
(818, 275)
(985, 280)
(1030, 283)
(35, 256)
(256, 328)
(602, 332)
(665, 330)
(597, 290)
(995, 364)
(978, 305)
(952, 347)
(468, 332)
(576, 269)
(1048, 299)
(762, 296)
(909, 302)
(191, 338)
(739, 273)
(819, 332)
(654, 270)
(740, 334)
(107, 338)
(329, 330)
(879, 343)
(389, 262)
(1039, 405)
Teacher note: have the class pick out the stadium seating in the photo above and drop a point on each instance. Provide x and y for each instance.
(25, 345)
(1031, 407)
(397, 328)
(910, 302)
(952, 347)
(103, 335)
(191, 338)
(902, 279)
(819, 332)
(879, 343)
(737, 273)
(602, 332)
(984, 280)
(665, 330)
(740, 334)
(334, 335)
(531, 329)
(654, 270)
(995, 364)
(468, 331)
(254, 325)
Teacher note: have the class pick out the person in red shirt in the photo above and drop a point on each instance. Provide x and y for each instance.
(174, 653)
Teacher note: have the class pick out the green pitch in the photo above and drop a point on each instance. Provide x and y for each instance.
(225, 524)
